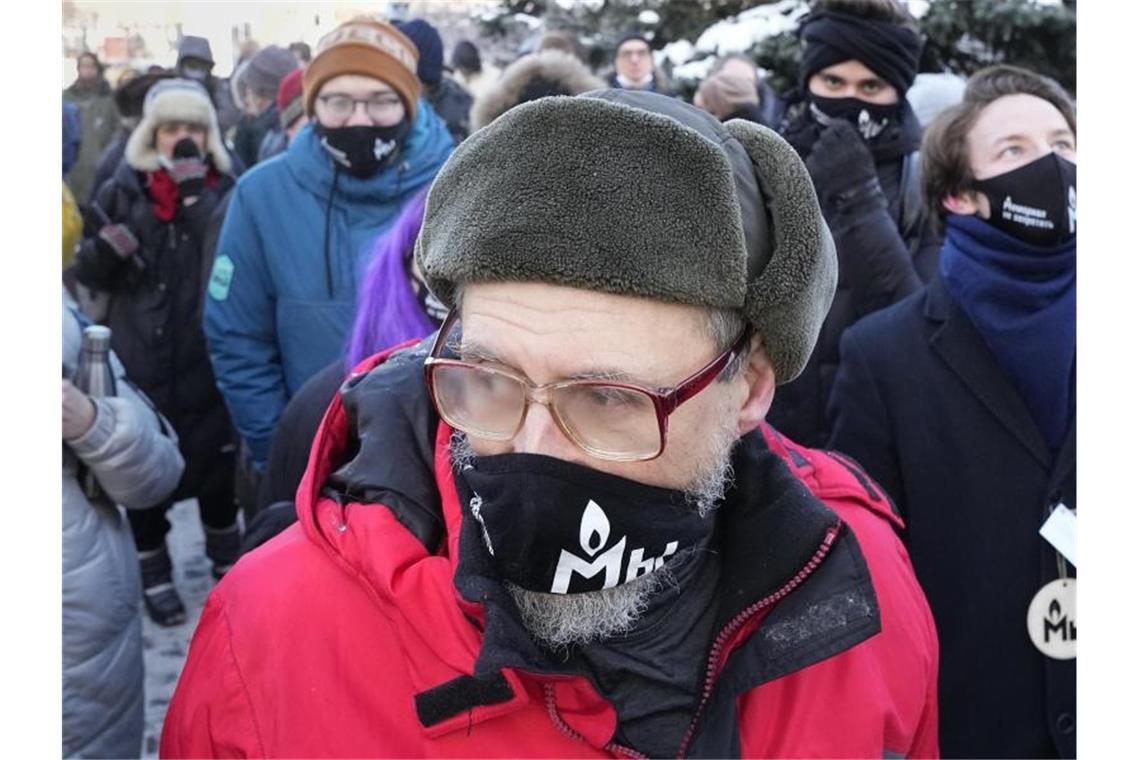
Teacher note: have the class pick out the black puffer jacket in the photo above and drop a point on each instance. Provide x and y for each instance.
(155, 309)
(886, 251)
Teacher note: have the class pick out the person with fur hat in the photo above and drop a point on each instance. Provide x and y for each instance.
(961, 401)
(449, 98)
(859, 139)
(299, 230)
(560, 526)
(260, 79)
(146, 254)
(536, 75)
(129, 97)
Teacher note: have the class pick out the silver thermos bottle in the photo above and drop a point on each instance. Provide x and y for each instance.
(94, 377)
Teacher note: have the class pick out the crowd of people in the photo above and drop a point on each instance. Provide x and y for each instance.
(538, 408)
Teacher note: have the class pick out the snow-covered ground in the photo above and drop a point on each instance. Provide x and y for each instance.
(164, 649)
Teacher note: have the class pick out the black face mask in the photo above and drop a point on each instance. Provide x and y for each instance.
(556, 527)
(870, 119)
(429, 304)
(363, 150)
(1036, 203)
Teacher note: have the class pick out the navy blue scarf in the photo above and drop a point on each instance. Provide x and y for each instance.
(1022, 298)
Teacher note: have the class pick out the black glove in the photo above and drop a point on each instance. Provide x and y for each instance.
(841, 166)
(187, 169)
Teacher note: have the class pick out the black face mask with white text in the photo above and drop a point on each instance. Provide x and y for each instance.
(556, 527)
(870, 119)
(363, 150)
(1035, 203)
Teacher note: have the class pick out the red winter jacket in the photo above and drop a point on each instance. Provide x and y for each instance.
(346, 636)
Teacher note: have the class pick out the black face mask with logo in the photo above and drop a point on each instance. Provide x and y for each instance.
(553, 526)
(870, 119)
(1035, 203)
(363, 150)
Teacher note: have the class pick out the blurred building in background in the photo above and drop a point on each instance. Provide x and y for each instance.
(141, 34)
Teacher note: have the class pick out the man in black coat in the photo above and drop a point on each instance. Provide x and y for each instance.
(145, 251)
(960, 401)
(859, 140)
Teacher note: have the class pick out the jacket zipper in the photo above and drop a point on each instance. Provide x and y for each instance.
(713, 669)
(556, 719)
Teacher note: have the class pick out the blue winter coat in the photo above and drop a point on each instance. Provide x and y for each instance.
(294, 245)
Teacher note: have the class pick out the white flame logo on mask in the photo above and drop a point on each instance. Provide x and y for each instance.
(869, 128)
(593, 534)
(382, 148)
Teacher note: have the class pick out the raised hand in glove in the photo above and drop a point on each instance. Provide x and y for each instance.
(841, 166)
(188, 169)
(117, 239)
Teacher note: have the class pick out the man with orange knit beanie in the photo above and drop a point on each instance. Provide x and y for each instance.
(299, 229)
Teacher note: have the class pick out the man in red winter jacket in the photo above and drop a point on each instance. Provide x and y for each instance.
(560, 527)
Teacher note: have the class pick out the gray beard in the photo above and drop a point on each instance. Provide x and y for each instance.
(562, 620)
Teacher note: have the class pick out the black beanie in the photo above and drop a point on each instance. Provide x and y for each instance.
(631, 36)
(427, 41)
(888, 49)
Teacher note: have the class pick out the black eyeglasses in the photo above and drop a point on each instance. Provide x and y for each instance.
(619, 422)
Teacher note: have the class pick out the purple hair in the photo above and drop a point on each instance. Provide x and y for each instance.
(387, 311)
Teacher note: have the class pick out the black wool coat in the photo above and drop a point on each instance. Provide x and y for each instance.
(885, 254)
(155, 312)
(921, 403)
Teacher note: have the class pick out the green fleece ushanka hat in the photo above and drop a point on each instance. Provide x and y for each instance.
(637, 194)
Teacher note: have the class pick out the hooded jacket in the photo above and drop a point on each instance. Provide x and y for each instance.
(367, 630)
(134, 455)
(293, 247)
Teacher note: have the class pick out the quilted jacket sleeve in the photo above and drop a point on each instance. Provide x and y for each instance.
(137, 464)
(131, 448)
(210, 714)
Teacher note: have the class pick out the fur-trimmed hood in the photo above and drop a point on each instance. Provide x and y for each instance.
(175, 100)
(563, 73)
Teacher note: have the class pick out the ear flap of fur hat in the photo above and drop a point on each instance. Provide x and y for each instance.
(789, 299)
(172, 100)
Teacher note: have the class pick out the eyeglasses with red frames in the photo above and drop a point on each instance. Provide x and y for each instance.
(615, 421)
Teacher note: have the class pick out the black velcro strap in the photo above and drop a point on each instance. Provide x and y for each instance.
(459, 694)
